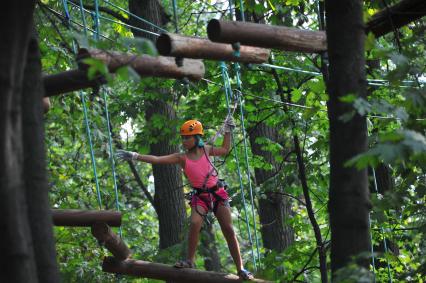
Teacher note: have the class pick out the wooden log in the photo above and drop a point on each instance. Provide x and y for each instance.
(68, 81)
(85, 218)
(396, 16)
(170, 44)
(103, 233)
(267, 36)
(165, 272)
(147, 66)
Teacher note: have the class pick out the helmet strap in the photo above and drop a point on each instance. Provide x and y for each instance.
(199, 141)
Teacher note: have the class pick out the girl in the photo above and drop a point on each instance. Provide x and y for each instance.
(209, 193)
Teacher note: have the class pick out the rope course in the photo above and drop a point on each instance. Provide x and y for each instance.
(374, 82)
(235, 96)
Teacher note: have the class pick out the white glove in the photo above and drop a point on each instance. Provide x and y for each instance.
(229, 124)
(126, 155)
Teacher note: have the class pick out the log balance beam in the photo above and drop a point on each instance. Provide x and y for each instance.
(85, 218)
(267, 36)
(69, 81)
(396, 16)
(165, 272)
(145, 65)
(106, 237)
(170, 44)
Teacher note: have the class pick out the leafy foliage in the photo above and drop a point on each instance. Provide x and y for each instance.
(395, 108)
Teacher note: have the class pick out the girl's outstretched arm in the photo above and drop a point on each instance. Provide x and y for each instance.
(175, 158)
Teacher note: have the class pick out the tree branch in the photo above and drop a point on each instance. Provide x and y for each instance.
(108, 11)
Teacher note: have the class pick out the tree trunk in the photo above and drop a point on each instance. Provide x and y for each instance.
(169, 198)
(349, 203)
(208, 249)
(273, 210)
(26, 243)
(39, 213)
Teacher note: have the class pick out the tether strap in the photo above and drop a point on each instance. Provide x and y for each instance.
(210, 191)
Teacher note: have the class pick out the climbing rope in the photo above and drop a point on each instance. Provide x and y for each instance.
(229, 96)
(238, 97)
(175, 16)
(108, 128)
(86, 119)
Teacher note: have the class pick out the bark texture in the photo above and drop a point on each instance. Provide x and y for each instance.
(275, 208)
(27, 247)
(349, 203)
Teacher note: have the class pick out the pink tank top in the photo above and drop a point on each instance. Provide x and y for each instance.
(197, 170)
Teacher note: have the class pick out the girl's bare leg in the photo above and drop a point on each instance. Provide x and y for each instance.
(223, 215)
(194, 231)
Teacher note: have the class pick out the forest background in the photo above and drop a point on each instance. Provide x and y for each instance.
(285, 116)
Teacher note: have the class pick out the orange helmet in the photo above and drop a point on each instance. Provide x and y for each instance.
(191, 127)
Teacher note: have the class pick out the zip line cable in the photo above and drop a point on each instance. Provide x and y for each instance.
(67, 21)
(303, 106)
(99, 16)
(135, 16)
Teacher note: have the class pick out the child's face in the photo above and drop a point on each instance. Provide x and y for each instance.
(188, 142)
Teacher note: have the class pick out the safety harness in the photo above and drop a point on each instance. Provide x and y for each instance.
(211, 192)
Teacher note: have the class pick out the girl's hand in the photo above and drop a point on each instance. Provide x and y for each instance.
(126, 155)
(229, 124)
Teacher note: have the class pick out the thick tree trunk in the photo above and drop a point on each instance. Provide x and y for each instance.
(26, 243)
(349, 203)
(273, 210)
(39, 213)
(169, 198)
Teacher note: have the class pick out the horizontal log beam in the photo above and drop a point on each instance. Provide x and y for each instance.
(169, 44)
(85, 218)
(267, 36)
(396, 16)
(147, 66)
(165, 272)
(105, 236)
(68, 81)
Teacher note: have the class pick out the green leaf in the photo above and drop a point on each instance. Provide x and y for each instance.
(370, 41)
(296, 94)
